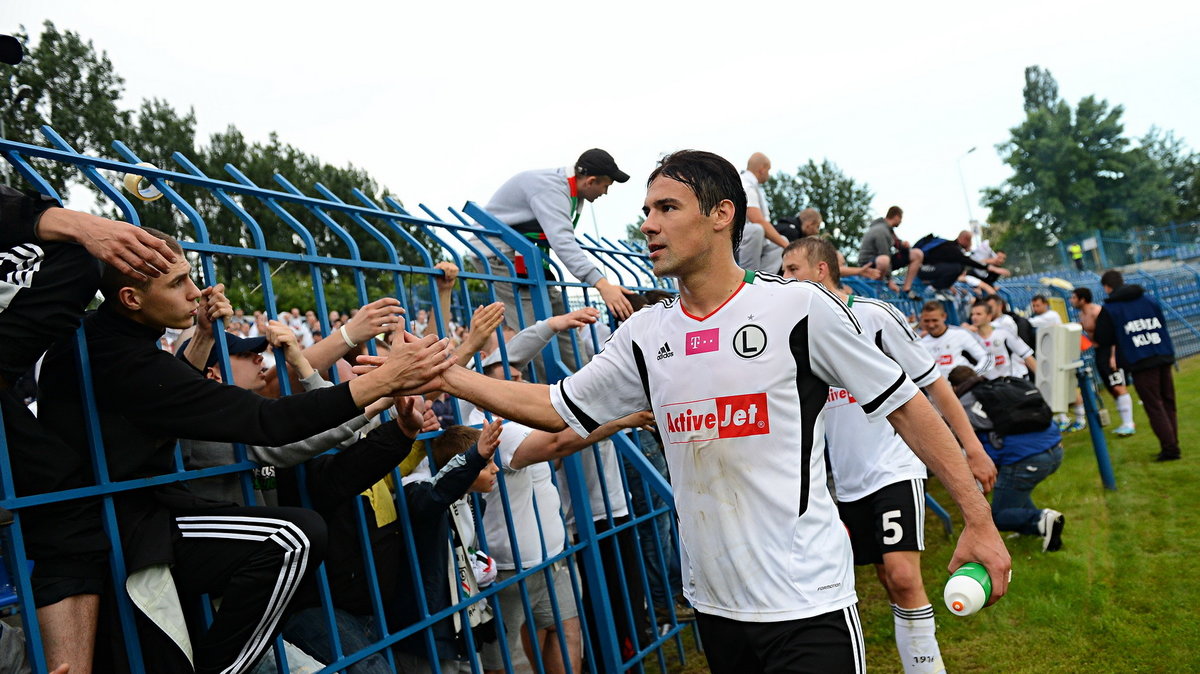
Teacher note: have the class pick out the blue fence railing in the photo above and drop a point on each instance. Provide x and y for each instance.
(384, 246)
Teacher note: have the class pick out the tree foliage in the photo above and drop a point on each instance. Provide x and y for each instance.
(1182, 168)
(74, 89)
(1073, 172)
(844, 203)
(633, 232)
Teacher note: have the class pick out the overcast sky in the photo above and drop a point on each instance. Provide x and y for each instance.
(443, 101)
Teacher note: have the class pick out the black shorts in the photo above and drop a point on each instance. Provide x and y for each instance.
(65, 540)
(899, 259)
(1109, 377)
(830, 642)
(890, 520)
(940, 275)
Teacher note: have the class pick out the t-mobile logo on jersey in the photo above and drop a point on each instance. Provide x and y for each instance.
(716, 418)
(702, 341)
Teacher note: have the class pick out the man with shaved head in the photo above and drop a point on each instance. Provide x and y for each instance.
(762, 245)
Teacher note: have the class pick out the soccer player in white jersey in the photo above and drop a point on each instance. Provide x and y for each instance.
(738, 394)
(1011, 356)
(878, 481)
(951, 345)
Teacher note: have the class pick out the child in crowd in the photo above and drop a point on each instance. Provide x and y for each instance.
(439, 512)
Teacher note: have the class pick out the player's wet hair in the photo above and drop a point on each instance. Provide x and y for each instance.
(712, 179)
(1084, 294)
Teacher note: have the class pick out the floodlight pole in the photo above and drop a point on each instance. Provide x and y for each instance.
(963, 181)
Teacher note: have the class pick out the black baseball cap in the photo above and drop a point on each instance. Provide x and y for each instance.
(236, 345)
(10, 50)
(597, 162)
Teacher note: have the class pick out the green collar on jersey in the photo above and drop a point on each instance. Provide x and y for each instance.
(850, 300)
(749, 277)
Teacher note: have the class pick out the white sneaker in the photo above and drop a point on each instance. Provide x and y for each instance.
(1051, 526)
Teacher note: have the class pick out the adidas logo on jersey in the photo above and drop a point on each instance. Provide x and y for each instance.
(665, 351)
(717, 418)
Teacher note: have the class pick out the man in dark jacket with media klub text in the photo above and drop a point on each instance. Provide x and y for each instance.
(1133, 327)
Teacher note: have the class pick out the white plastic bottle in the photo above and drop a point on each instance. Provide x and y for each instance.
(968, 589)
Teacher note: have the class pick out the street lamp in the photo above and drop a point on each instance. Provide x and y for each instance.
(19, 95)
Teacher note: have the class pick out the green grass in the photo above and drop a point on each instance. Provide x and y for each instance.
(1123, 595)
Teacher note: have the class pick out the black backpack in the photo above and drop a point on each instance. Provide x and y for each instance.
(1013, 405)
(1024, 329)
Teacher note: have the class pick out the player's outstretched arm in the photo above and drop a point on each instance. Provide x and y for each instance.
(981, 465)
(528, 404)
(917, 422)
(524, 403)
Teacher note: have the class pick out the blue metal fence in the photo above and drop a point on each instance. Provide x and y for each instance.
(470, 239)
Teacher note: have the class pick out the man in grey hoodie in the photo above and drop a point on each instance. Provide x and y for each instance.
(544, 205)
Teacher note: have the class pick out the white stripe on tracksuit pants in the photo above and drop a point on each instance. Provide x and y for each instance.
(255, 559)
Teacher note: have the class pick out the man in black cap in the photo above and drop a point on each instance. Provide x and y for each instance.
(544, 205)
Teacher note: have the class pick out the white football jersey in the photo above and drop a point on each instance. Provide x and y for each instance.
(738, 396)
(957, 346)
(867, 456)
(1008, 354)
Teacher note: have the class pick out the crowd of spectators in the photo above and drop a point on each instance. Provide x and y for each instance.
(160, 383)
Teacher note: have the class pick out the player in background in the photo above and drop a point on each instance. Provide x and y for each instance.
(765, 557)
(951, 345)
(1011, 357)
(878, 481)
(1114, 379)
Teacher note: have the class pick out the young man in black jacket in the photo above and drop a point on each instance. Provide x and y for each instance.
(173, 541)
(49, 271)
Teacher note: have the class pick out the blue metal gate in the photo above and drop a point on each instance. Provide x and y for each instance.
(408, 246)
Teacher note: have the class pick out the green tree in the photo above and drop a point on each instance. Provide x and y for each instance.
(1182, 168)
(1073, 171)
(844, 203)
(633, 233)
(72, 88)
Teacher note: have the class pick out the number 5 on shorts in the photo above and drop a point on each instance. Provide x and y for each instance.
(892, 531)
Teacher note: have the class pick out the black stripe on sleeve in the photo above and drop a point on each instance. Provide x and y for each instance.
(589, 424)
(969, 358)
(837, 301)
(925, 373)
(893, 313)
(882, 397)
